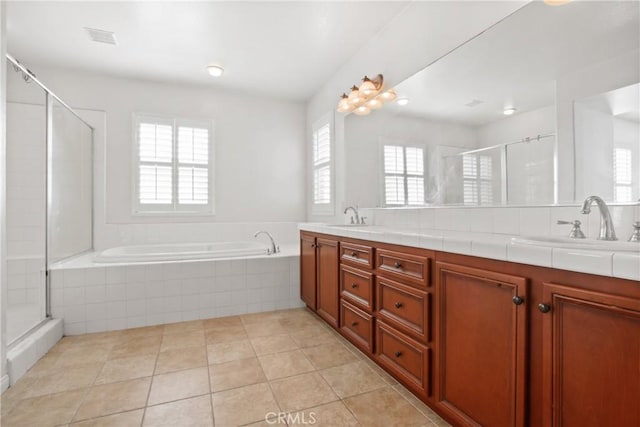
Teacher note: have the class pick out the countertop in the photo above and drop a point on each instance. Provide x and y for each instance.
(625, 265)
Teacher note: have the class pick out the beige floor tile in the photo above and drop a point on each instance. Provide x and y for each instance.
(351, 379)
(273, 344)
(144, 332)
(228, 351)
(330, 415)
(179, 359)
(225, 334)
(44, 366)
(144, 346)
(84, 354)
(298, 323)
(391, 409)
(123, 419)
(312, 336)
(253, 318)
(280, 365)
(265, 329)
(243, 405)
(329, 355)
(126, 368)
(378, 370)
(43, 411)
(179, 385)
(222, 322)
(112, 398)
(182, 340)
(194, 412)
(178, 328)
(236, 373)
(69, 378)
(302, 392)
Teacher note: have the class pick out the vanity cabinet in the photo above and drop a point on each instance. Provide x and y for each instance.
(319, 276)
(308, 270)
(591, 357)
(481, 346)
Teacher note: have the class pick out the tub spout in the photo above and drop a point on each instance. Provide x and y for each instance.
(274, 249)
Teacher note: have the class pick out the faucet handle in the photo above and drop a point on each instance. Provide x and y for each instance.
(635, 236)
(576, 232)
(362, 218)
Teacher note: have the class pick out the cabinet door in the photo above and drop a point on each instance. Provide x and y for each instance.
(308, 270)
(327, 280)
(591, 358)
(481, 346)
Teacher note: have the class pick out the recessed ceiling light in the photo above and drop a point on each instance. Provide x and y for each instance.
(509, 111)
(215, 70)
(402, 101)
(101, 36)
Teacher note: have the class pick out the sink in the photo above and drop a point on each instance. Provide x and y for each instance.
(584, 244)
(348, 225)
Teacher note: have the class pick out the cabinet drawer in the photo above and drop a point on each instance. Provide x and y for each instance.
(413, 269)
(357, 325)
(358, 255)
(357, 286)
(405, 307)
(405, 357)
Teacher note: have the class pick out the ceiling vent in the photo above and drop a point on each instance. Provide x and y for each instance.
(101, 36)
(474, 103)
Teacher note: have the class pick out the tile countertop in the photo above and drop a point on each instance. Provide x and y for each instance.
(625, 265)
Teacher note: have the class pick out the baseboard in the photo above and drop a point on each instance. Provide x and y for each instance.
(4, 383)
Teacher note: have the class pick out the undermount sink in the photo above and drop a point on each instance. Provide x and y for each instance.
(348, 225)
(570, 243)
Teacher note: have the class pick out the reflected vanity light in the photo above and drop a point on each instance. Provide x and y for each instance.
(215, 70)
(509, 111)
(369, 96)
(556, 2)
(402, 101)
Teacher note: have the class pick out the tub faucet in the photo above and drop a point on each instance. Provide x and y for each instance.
(355, 212)
(606, 223)
(274, 249)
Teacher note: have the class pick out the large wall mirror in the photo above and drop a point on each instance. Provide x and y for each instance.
(541, 108)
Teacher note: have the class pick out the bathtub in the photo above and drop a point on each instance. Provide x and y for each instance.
(179, 252)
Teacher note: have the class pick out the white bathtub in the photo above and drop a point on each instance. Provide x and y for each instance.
(179, 251)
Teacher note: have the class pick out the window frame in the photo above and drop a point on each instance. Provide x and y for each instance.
(617, 184)
(478, 180)
(404, 175)
(174, 208)
(323, 208)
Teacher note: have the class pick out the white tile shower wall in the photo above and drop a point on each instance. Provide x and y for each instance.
(525, 221)
(109, 298)
(25, 278)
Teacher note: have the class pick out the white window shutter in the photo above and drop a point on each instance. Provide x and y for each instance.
(322, 165)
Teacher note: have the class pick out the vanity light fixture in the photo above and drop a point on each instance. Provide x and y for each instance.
(369, 96)
(215, 70)
(556, 2)
(509, 111)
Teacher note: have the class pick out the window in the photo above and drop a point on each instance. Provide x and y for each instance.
(477, 179)
(403, 175)
(622, 173)
(322, 160)
(174, 165)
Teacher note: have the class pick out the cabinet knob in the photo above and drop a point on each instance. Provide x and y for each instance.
(397, 265)
(354, 254)
(313, 245)
(398, 304)
(517, 300)
(397, 354)
(354, 323)
(545, 308)
(354, 285)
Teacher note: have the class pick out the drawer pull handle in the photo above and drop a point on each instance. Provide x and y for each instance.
(398, 305)
(354, 324)
(354, 285)
(517, 300)
(397, 354)
(354, 254)
(397, 265)
(545, 308)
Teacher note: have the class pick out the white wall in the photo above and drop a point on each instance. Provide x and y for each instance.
(4, 379)
(418, 36)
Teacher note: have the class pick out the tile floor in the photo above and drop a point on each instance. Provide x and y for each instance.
(225, 372)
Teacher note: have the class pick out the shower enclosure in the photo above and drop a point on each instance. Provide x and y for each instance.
(49, 194)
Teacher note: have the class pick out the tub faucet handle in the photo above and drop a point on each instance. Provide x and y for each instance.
(274, 249)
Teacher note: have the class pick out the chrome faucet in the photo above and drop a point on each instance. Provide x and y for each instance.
(606, 223)
(274, 249)
(355, 212)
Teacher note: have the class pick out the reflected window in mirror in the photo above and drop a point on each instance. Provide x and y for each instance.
(622, 172)
(477, 179)
(322, 165)
(403, 175)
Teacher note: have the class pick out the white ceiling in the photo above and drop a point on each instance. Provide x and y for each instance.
(281, 49)
(517, 62)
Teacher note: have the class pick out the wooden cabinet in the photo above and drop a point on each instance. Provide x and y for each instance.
(357, 325)
(328, 304)
(481, 346)
(591, 358)
(308, 270)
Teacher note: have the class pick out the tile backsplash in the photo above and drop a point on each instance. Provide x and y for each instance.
(524, 221)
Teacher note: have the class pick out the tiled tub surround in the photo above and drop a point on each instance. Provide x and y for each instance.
(487, 233)
(205, 372)
(93, 297)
